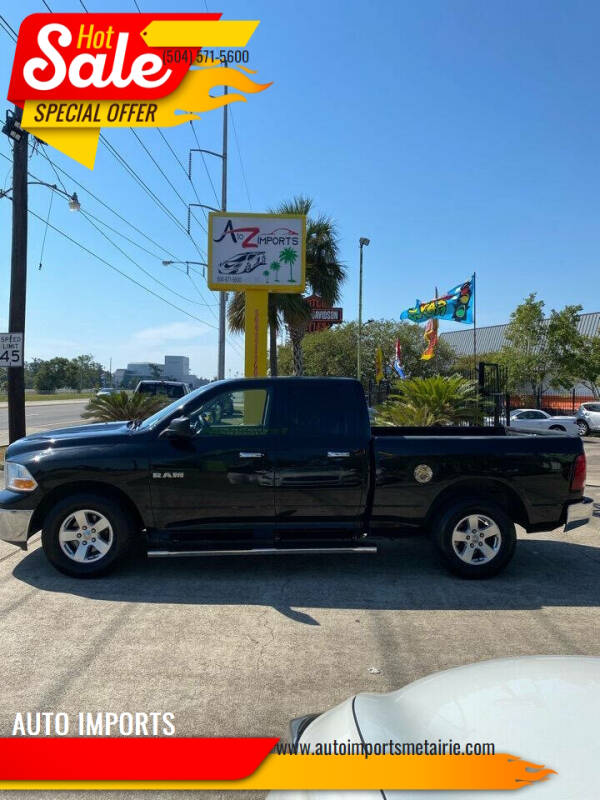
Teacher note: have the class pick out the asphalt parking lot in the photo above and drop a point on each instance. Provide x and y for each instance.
(239, 646)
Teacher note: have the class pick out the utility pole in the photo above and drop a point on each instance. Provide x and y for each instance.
(18, 279)
(222, 295)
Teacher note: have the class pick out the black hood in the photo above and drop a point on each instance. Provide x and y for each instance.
(77, 435)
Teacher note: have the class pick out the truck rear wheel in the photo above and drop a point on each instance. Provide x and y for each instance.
(85, 535)
(476, 538)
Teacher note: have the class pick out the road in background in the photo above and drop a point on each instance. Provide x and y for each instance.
(44, 416)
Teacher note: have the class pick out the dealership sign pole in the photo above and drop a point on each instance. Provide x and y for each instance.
(256, 254)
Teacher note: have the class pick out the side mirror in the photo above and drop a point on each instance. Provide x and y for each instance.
(178, 428)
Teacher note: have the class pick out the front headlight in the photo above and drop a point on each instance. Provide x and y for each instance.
(18, 478)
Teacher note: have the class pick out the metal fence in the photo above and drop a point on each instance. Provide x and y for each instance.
(553, 401)
(494, 401)
(378, 392)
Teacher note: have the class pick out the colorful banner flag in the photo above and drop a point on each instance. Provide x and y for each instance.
(431, 337)
(379, 376)
(397, 362)
(456, 305)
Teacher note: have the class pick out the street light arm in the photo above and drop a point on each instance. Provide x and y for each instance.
(71, 197)
(200, 150)
(197, 205)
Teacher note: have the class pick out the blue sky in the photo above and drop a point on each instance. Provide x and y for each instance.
(457, 136)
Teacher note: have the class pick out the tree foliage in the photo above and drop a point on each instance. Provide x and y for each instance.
(588, 364)
(81, 372)
(541, 353)
(333, 351)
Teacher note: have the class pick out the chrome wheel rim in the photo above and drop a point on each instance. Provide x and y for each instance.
(476, 539)
(583, 428)
(85, 536)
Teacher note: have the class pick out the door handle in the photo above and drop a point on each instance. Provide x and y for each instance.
(338, 454)
(244, 454)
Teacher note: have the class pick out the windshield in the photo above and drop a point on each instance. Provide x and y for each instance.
(150, 422)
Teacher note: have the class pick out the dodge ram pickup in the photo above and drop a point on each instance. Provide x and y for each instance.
(295, 467)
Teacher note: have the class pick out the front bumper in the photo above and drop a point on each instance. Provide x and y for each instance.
(579, 514)
(14, 526)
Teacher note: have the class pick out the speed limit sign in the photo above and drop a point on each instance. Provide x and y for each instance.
(11, 349)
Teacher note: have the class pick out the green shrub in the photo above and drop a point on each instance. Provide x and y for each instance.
(123, 406)
(438, 400)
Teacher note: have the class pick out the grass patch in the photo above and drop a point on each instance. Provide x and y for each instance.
(32, 396)
(2, 450)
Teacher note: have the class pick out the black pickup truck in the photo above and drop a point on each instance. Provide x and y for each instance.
(295, 467)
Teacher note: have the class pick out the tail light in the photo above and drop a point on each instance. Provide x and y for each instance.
(579, 473)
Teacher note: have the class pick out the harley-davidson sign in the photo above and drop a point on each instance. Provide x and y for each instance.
(322, 315)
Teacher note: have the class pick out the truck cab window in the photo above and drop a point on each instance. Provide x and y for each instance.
(325, 415)
(240, 413)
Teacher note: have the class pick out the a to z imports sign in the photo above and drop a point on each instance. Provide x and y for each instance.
(256, 251)
(11, 349)
(74, 74)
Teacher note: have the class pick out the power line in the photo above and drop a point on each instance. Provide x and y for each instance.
(123, 274)
(150, 193)
(237, 144)
(110, 208)
(181, 164)
(119, 233)
(204, 162)
(8, 28)
(89, 218)
(133, 261)
(165, 176)
(142, 183)
(137, 244)
(136, 177)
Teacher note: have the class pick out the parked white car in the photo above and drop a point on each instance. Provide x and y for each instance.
(588, 418)
(543, 709)
(532, 419)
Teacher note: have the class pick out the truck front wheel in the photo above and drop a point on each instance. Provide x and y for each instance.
(476, 539)
(85, 535)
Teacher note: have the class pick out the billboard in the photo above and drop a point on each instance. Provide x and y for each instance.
(256, 251)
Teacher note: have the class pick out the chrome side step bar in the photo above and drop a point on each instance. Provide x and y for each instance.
(260, 551)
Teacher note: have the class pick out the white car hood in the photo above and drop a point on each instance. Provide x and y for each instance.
(543, 709)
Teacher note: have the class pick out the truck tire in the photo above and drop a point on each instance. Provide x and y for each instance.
(475, 538)
(85, 535)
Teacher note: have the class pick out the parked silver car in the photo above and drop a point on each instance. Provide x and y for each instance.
(533, 419)
(588, 418)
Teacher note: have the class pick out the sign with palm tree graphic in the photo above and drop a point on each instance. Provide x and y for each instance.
(256, 251)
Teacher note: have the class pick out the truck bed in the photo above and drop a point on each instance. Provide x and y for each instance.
(419, 471)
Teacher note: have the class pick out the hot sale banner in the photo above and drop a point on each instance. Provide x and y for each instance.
(74, 74)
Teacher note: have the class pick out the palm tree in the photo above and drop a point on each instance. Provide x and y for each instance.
(289, 256)
(275, 266)
(324, 276)
(437, 400)
(123, 406)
